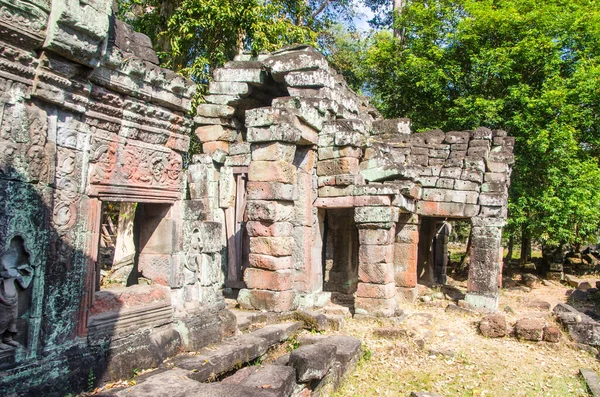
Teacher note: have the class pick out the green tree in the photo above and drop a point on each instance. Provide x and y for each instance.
(193, 37)
(529, 67)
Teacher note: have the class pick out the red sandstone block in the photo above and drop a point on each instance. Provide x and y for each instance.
(379, 273)
(376, 236)
(375, 254)
(273, 301)
(376, 291)
(326, 181)
(409, 234)
(211, 147)
(405, 254)
(270, 262)
(362, 201)
(272, 171)
(376, 307)
(270, 280)
(274, 246)
(268, 229)
(209, 133)
(406, 279)
(346, 165)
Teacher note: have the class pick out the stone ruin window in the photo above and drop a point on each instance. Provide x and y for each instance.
(443, 245)
(116, 265)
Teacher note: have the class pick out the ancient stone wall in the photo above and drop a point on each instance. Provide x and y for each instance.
(87, 116)
(308, 144)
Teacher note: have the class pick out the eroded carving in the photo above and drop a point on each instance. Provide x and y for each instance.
(15, 272)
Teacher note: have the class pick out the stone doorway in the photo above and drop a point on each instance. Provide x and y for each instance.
(340, 255)
(433, 254)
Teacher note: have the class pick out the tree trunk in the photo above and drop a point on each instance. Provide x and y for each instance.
(525, 248)
(397, 10)
(124, 247)
(509, 254)
(463, 261)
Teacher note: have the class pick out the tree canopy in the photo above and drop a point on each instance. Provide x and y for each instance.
(194, 36)
(529, 67)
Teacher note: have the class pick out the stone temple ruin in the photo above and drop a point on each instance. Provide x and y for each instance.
(302, 195)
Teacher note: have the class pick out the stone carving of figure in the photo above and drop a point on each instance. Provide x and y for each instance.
(14, 270)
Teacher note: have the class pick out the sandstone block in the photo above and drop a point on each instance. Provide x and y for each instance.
(312, 362)
(273, 246)
(272, 171)
(346, 165)
(273, 151)
(211, 110)
(552, 334)
(228, 88)
(379, 273)
(271, 211)
(274, 301)
(529, 329)
(270, 262)
(375, 214)
(493, 326)
(280, 280)
(375, 307)
(376, 291)
(375, 236)
(269, 229)
(375, 254)
(270, 191)
(211, 147)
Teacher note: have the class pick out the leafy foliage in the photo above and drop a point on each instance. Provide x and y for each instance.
(530, 67)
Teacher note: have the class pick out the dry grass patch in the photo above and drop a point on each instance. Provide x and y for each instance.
(444, 353)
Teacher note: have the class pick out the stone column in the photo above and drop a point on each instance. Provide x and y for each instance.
(376, 292)
(406, 248)
(271, 191)
(484, 270)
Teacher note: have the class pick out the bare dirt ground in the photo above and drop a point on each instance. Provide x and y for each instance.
(443, 352)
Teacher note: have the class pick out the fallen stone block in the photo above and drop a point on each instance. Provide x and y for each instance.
(493, 326)
(552, 334)
(277, 379)
(160, 383)
(312, 320)
(312, 361)
(529, 329)
(220, 390)
(592, 381)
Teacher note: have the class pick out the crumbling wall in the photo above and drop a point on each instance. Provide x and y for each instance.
(87, 115)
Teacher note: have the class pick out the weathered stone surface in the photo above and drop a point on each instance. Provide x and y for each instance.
(529, 329)
(312, 362)
(274, 301)
(280, 280)
(272, 171)
(493, 326)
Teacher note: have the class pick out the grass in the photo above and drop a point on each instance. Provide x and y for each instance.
(479, 366)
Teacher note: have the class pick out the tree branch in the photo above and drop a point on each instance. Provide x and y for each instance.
(320, 9)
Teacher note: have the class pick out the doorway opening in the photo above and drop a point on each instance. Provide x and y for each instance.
(340, 256)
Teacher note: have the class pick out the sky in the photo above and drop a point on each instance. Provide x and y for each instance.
(363, 15)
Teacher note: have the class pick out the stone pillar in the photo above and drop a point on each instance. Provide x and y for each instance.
(484, 270)
(376, 291)
(271, 191)
(406, 248)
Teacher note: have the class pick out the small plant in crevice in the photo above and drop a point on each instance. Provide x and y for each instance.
(91, 380)
(292, 343)
(256, 362)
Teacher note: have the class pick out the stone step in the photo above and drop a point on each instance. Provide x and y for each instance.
(180, 375)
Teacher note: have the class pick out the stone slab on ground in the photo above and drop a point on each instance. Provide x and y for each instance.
(279, 379)
(312, 362)
(424, 394)
(592, 381)
(212, 361)
(582, 328)
(580, 283)
(160, 383)
(223, 390)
